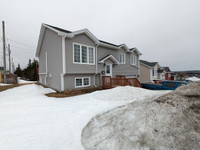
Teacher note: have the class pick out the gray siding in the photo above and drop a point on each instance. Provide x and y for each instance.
(52, 44)
(121, 69)
(78, 68)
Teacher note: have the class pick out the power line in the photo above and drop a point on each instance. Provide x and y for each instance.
(8, 39)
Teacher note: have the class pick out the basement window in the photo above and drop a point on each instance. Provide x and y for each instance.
(82, 82)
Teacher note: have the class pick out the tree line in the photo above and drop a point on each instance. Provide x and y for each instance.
(28, 73)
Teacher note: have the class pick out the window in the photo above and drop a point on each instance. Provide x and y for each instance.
(122, 58)
(170, 84)
(91, 55)
(133, 60)
(153, 72)
(83, 54)
(82, 81)
(77, 53)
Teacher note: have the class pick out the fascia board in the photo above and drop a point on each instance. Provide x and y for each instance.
(146, 65)
(88, 33)
(41, 36)
(111, 57)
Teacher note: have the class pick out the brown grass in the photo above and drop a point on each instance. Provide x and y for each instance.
(69, 93)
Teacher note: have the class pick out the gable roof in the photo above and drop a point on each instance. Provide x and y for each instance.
(70, 34)
(109, 57)
(149, 64)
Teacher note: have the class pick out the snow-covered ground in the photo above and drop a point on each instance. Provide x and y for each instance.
(169, 122)
(31, 121)
(3, 84)
(193, 79)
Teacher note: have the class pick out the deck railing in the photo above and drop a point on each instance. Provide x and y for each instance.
(109, 82)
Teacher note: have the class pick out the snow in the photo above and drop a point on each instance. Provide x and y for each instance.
(170, 121)
(20, 81)
(193, 79)
(30, 120)
(3, 84)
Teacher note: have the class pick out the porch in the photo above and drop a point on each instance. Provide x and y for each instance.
(109, 82)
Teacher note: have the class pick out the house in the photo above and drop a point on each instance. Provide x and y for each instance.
(164, 73)
(71, 60)
(148, 71)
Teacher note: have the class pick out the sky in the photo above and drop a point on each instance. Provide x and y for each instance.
(164, 31)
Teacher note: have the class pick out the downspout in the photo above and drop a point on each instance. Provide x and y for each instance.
(96, 64)
(63, 64)
(139, 67)
(46, 68)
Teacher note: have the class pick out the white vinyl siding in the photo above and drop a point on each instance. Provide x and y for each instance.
(82, 82)
(83, 54)
(122, 58)
(133, 60)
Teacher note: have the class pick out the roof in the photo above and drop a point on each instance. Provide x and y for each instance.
(62, 30)
(150, 64)
(70, 34)
(109, 57)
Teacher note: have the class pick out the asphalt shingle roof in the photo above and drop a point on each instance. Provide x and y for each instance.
(62, 30)
(150, 64)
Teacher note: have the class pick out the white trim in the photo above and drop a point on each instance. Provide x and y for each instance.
(124, 58)
(82, 78)
(62, 81)
(111, 57)
(63, 55)
(81, 54)
(71, 35)
(88, 33)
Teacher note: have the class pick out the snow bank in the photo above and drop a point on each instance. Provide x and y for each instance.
(20, 81)
(193, 79)
(126, 93)
(31, 121)
(171, 121)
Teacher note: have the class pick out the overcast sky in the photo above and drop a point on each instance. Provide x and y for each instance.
(164, 31)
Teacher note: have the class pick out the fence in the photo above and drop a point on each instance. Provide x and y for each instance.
(109, 82)
(10, 78)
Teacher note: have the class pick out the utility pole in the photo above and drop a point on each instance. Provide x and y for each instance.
(4, 50)
(9, 51)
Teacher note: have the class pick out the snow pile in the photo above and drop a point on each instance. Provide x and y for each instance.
(31, 121)
(193, 79)
(126, 93)
(20, 81)
(3, 84)
(171, 121)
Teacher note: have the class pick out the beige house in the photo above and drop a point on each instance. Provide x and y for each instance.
(148, 71)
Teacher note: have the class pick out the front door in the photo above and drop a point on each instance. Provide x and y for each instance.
(108, 70)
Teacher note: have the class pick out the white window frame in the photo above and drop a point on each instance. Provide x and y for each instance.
(87, 63)
(124, 58)
(133, 57)
(82, 78)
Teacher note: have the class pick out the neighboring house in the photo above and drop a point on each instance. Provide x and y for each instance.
(70, 60)
(148, 71)
(164, 73)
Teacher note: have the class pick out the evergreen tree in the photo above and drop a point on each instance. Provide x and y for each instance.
(18, 71)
